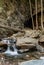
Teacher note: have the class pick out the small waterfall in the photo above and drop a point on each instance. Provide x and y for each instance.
(9, 51)
(15, 52)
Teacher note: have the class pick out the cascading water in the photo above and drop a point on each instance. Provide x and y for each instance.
(15, 50)
(9, 51)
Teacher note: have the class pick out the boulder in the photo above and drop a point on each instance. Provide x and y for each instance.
(26, 43)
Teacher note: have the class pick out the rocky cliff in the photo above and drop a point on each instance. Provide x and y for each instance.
(13, 14)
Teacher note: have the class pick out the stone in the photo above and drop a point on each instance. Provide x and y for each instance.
(32, 33)
(26, 43)
(19, 34)
(26, 40)
(41, 39)
(35, 34)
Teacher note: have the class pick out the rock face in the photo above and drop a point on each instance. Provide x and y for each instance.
(11, 15)
(14, 13)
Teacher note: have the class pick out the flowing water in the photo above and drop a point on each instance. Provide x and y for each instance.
(12, 57)
(8, 59)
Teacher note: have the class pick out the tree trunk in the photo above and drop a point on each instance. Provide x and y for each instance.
(42, 14)
(36, 14)
(31, 13)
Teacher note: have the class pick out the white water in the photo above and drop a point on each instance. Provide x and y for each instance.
(9, 52)
(42, 57)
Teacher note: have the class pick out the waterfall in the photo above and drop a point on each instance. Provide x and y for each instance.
(9, 51)
(15, 52)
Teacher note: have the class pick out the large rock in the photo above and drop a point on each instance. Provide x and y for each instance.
(26, 42)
